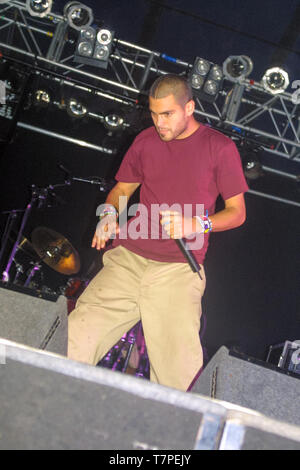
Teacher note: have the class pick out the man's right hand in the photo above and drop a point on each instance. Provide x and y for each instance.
(106, 228)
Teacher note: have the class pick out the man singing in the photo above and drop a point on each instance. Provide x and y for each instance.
(180, 165)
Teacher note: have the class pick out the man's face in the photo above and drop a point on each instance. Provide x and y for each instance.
(170, 119)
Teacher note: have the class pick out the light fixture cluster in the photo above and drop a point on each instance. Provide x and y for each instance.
(76, 14)
(236, 68)
(206, 79)
(94, 46)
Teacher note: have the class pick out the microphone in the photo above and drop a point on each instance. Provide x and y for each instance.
(189, 256)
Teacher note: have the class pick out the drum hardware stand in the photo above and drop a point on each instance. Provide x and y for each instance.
(116, 360)
(143, 368)
(130, 339)
(39, 196)
(12, 215)
(104, 186)
(19, 271)
(36, 268)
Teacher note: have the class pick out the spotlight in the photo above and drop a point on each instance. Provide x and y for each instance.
(39, 8)
(41, 98)
(251, 161)
(78, 15)
(94, 47)
(113, 122)
(202, 67)
(76, 109)
(210, 88)
(197, 81)
(206, 79)
(237, 67)
(275, 80)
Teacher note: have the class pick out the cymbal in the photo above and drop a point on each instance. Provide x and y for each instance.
(55, 250)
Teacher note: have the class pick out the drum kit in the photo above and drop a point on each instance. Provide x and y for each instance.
(47, 247)
(53, 249)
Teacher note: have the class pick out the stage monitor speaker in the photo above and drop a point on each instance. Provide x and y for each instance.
(251, 383)
(34, 319)
(51, 402)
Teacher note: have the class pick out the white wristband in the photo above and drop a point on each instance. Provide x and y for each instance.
(109, 210)
(201, 222)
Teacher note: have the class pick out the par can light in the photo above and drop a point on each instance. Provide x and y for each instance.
(206, 79)
(39, 8)
(275, 80)
(78, 15)
(237, 67)
(76, 109)
(113, 122)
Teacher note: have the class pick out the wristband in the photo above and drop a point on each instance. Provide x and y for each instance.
(109, 210)
(201, 222)
(205, 223)
(208, 224)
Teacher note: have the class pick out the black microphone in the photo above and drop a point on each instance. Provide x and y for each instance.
(189, 256)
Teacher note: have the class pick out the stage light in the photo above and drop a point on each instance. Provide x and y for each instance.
(41, 98)
(275, 80)
(206, 79)
(103, 44)
(251, 160)
(94, 47)
(216, 73)
(86, 42)
(76, 109)
(78, 15)
(197, 81)
(113, 122)
(210, 87)
(237, 67)
(39, 8)
(202, 67)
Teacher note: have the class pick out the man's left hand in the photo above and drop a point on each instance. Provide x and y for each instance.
(176, 225)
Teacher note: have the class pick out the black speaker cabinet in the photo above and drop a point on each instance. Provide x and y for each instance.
(51, 402)
(251, 383)
(34, 319)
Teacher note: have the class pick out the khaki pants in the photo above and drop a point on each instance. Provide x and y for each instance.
(166, 297)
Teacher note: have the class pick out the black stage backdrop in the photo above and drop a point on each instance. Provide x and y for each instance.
(252, 295)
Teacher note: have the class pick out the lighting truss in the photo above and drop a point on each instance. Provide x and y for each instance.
(243, 108)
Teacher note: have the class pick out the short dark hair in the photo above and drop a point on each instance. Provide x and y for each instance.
(172, 84)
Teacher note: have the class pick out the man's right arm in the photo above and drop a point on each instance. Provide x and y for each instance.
(108, 225)
(120, 189)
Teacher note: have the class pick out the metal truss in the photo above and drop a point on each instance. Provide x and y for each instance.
(246, 110)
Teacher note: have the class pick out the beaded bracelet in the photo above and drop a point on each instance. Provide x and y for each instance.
(205, 222)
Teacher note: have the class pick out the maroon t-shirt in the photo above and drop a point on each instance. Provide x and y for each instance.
(189, 171)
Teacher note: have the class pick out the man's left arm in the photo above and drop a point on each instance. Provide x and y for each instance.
(232, 216)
